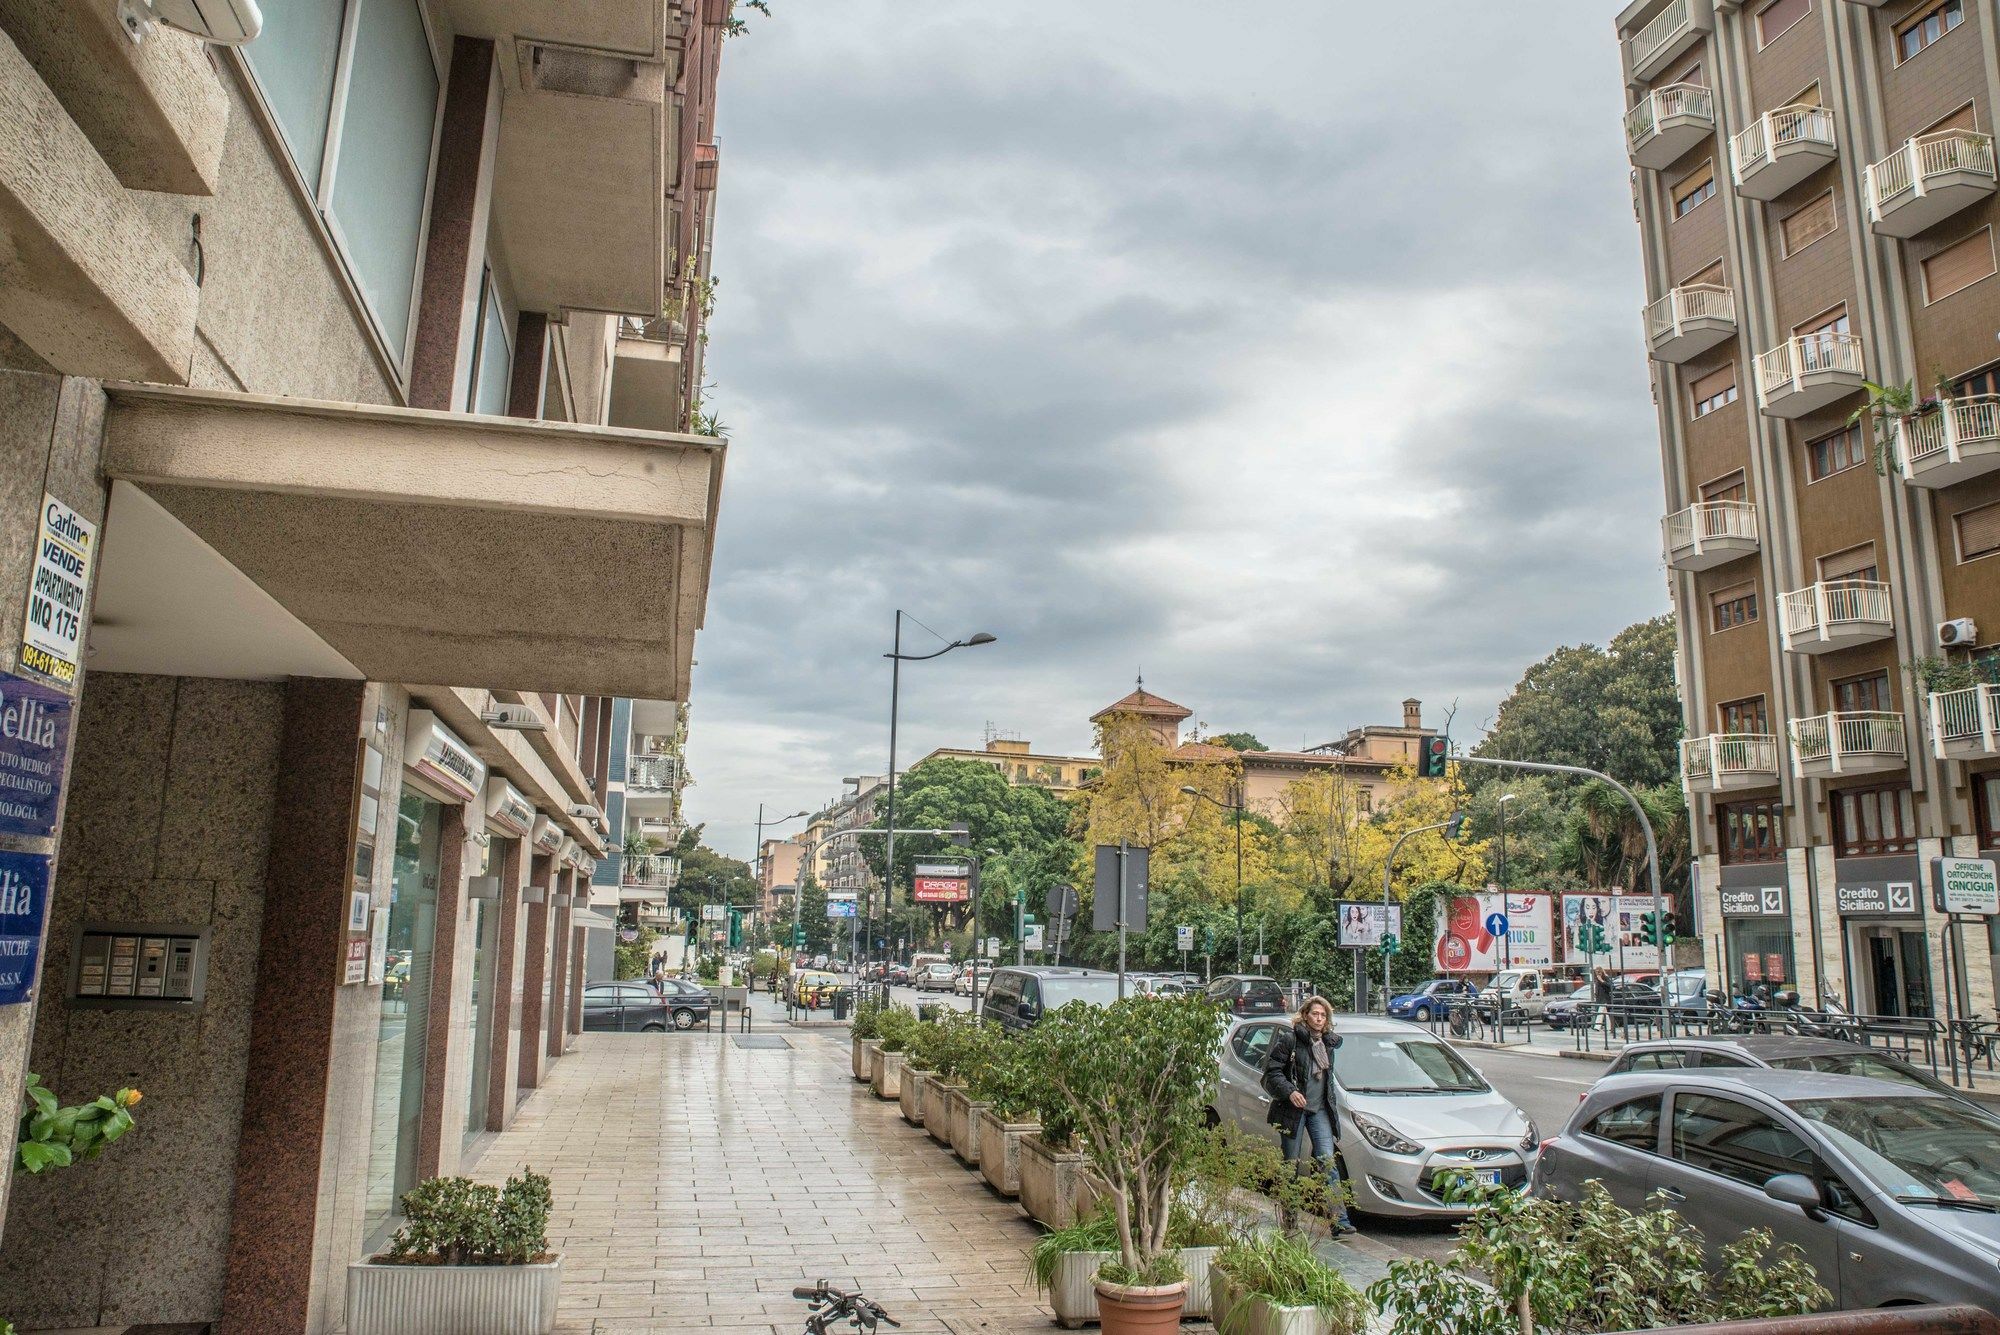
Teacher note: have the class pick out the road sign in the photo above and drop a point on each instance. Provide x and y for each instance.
(1261, 961)
(1060, 901)
(1965, 885)
(1184, 936)
(842, 908)
(992, 947)
(1496, 924)
(1032, 938)
(712, 913)
(1105, 908)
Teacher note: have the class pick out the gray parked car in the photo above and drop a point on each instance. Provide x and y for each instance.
(1411, 1110)
(1892, 1191)
(1781, 1052)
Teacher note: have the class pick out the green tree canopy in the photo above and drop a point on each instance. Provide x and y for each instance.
(1237, 741)
(1615, 710)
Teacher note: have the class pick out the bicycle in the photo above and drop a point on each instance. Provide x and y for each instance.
(831, 1307)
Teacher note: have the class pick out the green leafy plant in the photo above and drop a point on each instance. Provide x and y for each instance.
(1160, 1268)
(1938, 673)
(1007, 1079)
(52, 1136)
(1228, 1174)
(1888, 404)
(897, 1027)
(709, 969)
(1281, 1269)
(1547, 1267)
(456, 1221)
(868, 1020)
(1094, 1232)
(629, 959)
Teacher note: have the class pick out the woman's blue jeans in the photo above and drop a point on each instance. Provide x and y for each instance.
(1315, 1127)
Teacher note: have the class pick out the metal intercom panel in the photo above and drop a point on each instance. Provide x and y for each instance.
(143, 966)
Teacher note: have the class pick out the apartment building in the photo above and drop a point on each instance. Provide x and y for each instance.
(648, 771)
(325, 463)
(781, 865)
(1814, 184)
(1020, 764)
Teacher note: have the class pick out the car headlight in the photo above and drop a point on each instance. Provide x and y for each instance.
(1530, 1138)
(1382, 1136)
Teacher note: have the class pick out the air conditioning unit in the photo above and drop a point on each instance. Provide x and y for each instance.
(1959, 633)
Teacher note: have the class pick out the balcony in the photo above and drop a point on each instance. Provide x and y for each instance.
(1806, 373)
(1835, 615)
(1672, 32)
(1781, 148)
(646, 374)
(657, 871)
(1829, 745)
(652, 774)
(1927, 180)
(1690, 320)
(1668, 122)
(1709, 534)
(1958, 439)
(1965, 724)
(1722, 763)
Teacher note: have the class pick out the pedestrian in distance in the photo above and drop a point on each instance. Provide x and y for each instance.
(1298, 1075)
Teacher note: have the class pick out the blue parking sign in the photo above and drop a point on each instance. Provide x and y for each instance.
(24, 898)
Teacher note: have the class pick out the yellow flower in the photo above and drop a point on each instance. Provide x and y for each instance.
(125, 1098)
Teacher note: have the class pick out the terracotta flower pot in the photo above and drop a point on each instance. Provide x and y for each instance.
(915, 1093)
(1140, 1309)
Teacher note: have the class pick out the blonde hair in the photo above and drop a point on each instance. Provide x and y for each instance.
(1306, 1010)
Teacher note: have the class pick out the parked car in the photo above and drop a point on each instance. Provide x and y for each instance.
(1627, 999)
(934, 977)
(813, 987)
(1431, 999)
(1021, 994)
(1248, 994)
(1892, 1191)
(1157, 985)
(1526, 991)
(961, 983)
(1412, 1111)
(628, 1007)
(1778, 1052)
(688, 1003)
(1561, 1010)
(897, 973)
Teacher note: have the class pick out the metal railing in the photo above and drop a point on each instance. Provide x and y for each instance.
(653, 774)
(1909, 170)
(1836, 738)
(1724, 755)
(1969, 715)
(1757, 143)
(1696, 301)
(1675, 99)
(1942, 431)
(1834, 603)
(658, 329)
(1705, 521)
(1786, 366)
(1644, 44)
(654, 870)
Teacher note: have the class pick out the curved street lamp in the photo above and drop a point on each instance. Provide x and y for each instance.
(1236, 807)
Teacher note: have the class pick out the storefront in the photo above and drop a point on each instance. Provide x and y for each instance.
(1885, 940)
(1757, 936)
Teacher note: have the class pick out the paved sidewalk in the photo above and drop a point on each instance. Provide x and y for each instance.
(697, 1181)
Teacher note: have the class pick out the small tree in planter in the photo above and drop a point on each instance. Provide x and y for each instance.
(1008, 1084)
(1136, 1078)
(468, 1257)
(1274, 1284)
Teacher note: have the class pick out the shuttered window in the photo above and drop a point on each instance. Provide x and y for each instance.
(1978, 531)
(1693, 188)
(1729, 488)
(1709, 277)
(1837, 453)
(1808, 224)
(1738, 717)
(1958, 267)
(1713, 390)
(1691, 74)
(1733, 607)
(1856, 563)
(1834, 321)
(1927, 27)
(1778, 16)
(1863, 695)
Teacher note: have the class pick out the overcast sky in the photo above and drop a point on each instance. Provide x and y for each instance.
(1285, 351)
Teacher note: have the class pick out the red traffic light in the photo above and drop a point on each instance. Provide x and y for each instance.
(1431, 760)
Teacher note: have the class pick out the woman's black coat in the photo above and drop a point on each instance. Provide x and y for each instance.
(1285, 1074)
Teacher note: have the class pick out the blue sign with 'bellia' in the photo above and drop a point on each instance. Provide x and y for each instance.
(24, 899)
(34, 740)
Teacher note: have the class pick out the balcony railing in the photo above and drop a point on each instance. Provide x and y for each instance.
(1808, 371)
(1854, 743)
(656, 870)
(658, 329)
(1667, 122)
(1834, 615)
(652, 774)
(1672, 31)
(1709, 533)
(1928, 179)
(1690, 320)
(1729, 760)
(1965, 722)
(1780, 148)
(1958, 439)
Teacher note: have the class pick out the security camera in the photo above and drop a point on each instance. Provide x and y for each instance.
(584, 811)
(223, 22)
(514, 718)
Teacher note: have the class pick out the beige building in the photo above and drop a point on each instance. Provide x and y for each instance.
(1815, 187)
(327, 457)
(1019, 763)
(781, 865)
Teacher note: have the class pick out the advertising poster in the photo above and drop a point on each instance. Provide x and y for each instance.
(1603, 931)
(1466, 942)
(1362, 924)
(59, 588)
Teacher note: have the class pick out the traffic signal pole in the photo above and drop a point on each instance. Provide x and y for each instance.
(1388, 872)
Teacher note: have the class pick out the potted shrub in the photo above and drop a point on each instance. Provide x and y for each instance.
(1273, 1284)
(1064, 1264)
(1136, 1078)
(886, 1057)
(468, 1257)
(1230, 1174)
(917, 1041)
(944, 1050)
(867, 1036)
(1006, 1085)
(974, 1053)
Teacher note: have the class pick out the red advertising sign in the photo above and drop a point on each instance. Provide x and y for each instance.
(940, 889)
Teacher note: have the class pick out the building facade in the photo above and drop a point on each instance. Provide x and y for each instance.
(318, 399)
(781, 865)
(1020, 764)
(1814, 184)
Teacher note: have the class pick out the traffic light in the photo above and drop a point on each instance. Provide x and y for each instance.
(1656, 929)
(961, 835)
(799, 937)
(1590, 939)
(1390, 945)
(1208, 940)
(1431, 754)
(1456, 825)
(735, 928)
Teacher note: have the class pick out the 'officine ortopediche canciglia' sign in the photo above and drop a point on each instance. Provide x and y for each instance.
(34, 741)
(24, 898)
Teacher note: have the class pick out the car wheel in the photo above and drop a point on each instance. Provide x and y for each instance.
(1422, 1015)
(684, 1018)
(1211, 1118)
(655, 1028)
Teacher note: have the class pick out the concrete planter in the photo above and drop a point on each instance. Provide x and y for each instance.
(452, 1299)
(937, 1111)
(885, 1075)
(1000, 1151)
(1087, 1189)
(863, 1047)
(914, 1094)
(1195, 1262)
(1259, 1315)
(962, 1126)
(1048, 1181)
(1073, 1294)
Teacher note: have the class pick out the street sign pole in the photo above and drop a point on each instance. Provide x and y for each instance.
(1122, 849)
(1021, 925)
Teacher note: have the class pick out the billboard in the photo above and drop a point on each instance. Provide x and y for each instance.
(1603, 931)
(941, 889)
(1466, 943)
(1361, 924)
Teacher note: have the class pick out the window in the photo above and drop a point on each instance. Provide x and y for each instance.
(1744, 716)
(1634, 1124)
(1750, 831)
(1670, 1059)
(1808, 96)
(1694, 188)
(1729, 488)
(1709, 277)
(1737, 1141)
(1978, 532)
(1965, 118)
(354, 89)
(1714, 390)
(1979, 382)
(1807, 224)
(1986, 805)
(1837, 453)
(1927, 27)
(492, 354)
(1689, 74)
(1833, 321)
(1734, 607)
(1863, 695)
(1855, 563)
(1959, 266)
(1778, 17)
(1874, 822)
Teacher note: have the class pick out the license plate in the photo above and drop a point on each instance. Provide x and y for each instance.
(1487, 1177)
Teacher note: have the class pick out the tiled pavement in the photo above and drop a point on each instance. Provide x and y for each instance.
(697, 1181)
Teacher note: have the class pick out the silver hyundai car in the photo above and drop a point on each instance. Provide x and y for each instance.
(1892, 1191)
(1411, 1112)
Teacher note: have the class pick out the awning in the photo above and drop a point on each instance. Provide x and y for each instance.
(596, 922)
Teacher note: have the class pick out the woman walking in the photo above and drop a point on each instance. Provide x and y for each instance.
(1298, 1075)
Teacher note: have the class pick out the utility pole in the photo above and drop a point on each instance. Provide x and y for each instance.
(1123, 848)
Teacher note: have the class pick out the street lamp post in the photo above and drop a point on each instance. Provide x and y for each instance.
(1507, 946)
(1238, 809)
(897, 658)
(1388, 871)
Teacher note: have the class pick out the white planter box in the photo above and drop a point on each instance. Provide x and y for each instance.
(1194, 1264)
(1000, 1152)
(914, 1094)
(862, 1048)
(961, 1125)
(452, 1299)
(1048, 1182)
(885, 1074)
(1073, 1295)
(1261, 1318)
(937, 1110)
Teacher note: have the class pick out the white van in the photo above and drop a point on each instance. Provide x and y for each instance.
(1529, 989)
